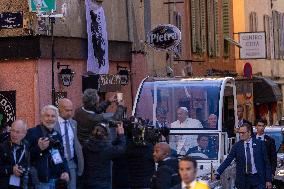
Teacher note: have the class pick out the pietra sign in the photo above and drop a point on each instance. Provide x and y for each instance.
(164, 37)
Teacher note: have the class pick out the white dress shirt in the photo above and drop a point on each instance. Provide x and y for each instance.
(253, 168)
(70, 133)
(191, 185)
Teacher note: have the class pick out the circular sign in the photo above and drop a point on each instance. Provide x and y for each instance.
(247, 70)
(164, 37)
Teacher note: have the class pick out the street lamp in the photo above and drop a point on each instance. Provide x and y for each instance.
(65, 75)
(52, 18)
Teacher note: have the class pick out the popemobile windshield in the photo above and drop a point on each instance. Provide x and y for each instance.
(201, 114)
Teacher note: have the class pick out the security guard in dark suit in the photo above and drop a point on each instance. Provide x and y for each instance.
(269, 143)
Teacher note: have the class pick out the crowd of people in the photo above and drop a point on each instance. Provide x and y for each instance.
(82, 151)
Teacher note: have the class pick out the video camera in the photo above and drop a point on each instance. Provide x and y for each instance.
(141, 131)
(53, 142)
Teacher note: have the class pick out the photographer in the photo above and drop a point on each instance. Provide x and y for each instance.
(47, 154)
(14, 158)
(90, 113)
(98, 153)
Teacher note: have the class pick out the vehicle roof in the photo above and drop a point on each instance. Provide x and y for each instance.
(151, 79)
(274, 128)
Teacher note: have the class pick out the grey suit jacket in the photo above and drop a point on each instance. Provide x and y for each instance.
(77, 146)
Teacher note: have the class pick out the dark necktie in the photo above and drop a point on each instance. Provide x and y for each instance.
(248, 160)
(67, 140)
(259, 138)
(187, 187)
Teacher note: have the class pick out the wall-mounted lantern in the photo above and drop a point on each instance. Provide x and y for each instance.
(65, 75)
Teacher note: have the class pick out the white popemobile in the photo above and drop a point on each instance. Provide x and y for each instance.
(178, 103)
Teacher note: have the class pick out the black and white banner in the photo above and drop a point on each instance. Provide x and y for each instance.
(97, 39)
(7, 108)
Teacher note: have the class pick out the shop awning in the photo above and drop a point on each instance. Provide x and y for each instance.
(266, 90)
(230, 40)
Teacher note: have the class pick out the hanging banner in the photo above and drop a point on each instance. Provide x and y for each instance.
(7, 108)
(97, 39)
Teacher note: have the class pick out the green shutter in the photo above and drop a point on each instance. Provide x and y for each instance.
(210, 26)
(216, 28)
(226, 25)
(203, 25)
(193, 25)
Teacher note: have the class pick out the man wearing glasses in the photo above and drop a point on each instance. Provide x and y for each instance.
(253, 170)
(269, 143)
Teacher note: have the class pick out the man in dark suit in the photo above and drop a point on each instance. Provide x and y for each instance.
(202, 141)
(14, 157)
(253, 170)
(269, 142)
(166, 175)
(67, 127)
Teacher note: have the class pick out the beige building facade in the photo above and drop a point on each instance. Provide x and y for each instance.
(261, 16)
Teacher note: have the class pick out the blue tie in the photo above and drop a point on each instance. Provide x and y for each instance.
(67, 141)
(248, 160)
(259, 138)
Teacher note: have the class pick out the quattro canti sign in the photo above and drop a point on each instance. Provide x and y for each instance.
(164, 37)
(253, 45)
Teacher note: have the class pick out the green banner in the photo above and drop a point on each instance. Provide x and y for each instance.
(46, 5)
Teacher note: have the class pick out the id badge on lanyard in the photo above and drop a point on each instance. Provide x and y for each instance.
(56, 157)
(14, 180)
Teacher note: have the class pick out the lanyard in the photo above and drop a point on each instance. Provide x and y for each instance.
(21, 157)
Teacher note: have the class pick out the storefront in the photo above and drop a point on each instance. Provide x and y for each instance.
(261, 97)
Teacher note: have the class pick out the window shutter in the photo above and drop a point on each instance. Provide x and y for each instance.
(203, 25)
(271, 37)
(211, 26)
(216, 27)
(275, 34)
(193, 25)
(281, 45)
(226, 25)
(177, 19)
(253, 25)
(255, 21)
(267, 35)
(198, 26)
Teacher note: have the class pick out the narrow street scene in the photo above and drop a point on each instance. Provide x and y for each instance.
(142, 94)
